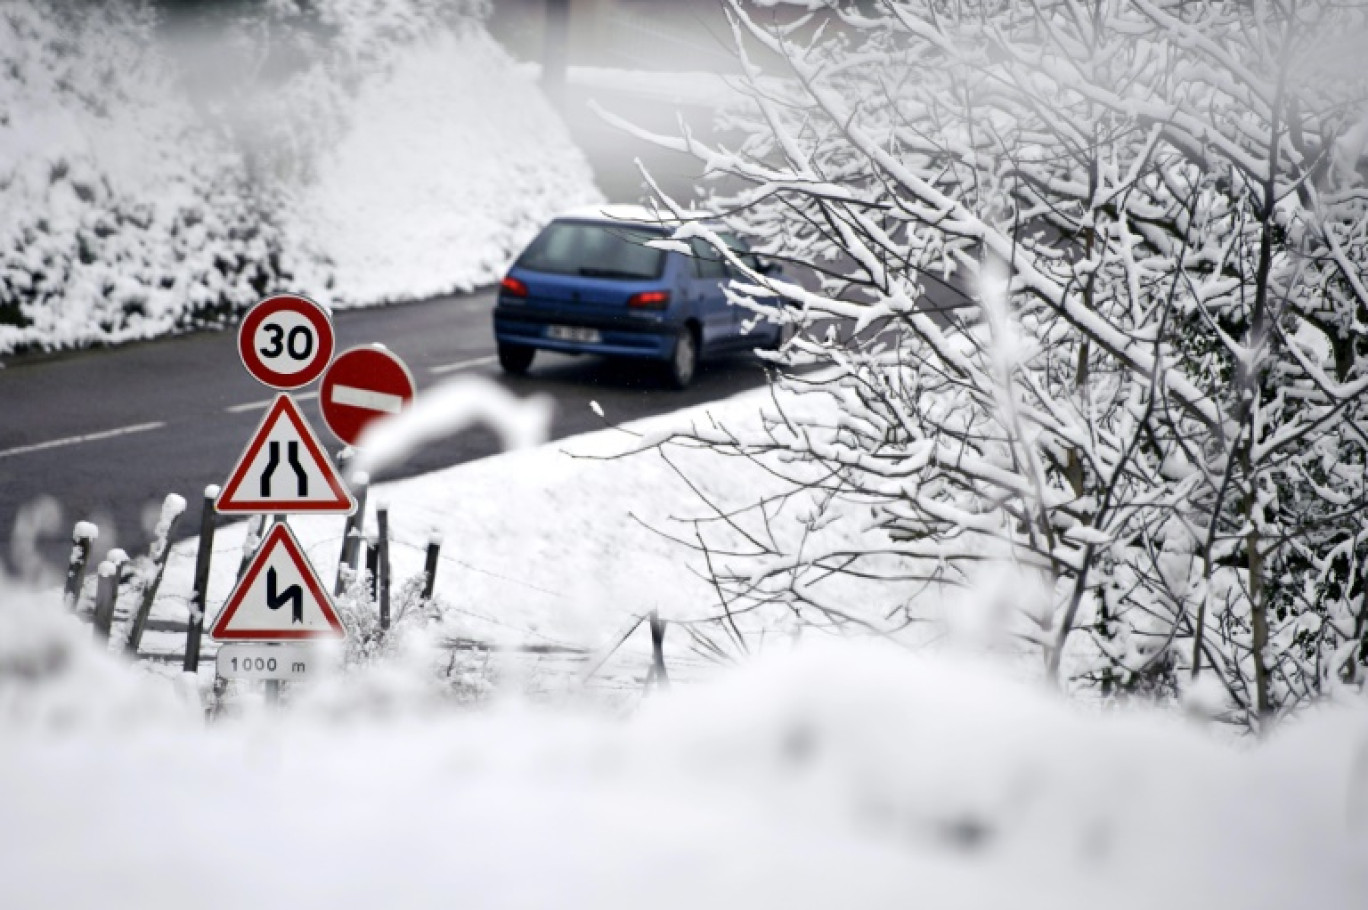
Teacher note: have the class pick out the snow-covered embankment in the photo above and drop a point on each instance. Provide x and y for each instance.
(153, 181)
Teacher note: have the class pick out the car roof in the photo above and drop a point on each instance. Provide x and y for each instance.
(618, 213)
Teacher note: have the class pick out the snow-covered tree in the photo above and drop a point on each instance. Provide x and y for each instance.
(1151, 395)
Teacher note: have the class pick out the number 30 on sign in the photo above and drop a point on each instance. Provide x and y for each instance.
(286, 341)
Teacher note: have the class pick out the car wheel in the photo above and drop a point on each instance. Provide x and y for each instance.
(515, 358)
(684, 360)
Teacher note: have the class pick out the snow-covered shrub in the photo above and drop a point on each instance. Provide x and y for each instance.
(121, 214)
(1152, 393)
(162, 174)
(381, 672)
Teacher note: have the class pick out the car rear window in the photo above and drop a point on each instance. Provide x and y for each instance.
(595, 251)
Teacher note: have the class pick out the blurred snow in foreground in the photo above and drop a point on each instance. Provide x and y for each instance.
(826, 776)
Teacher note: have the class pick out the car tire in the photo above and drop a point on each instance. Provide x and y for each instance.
(515, 358)
(683, 365)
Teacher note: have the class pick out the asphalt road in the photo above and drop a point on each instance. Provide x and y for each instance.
(104, 435)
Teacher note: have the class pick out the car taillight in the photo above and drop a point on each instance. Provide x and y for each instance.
(513, 286)
(650, 300)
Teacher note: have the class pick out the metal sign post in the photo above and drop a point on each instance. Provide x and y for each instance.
(285, 342)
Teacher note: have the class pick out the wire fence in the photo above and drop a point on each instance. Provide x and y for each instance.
(546, 663)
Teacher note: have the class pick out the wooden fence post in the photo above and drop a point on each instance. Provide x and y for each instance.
(199, 597)
(430, 565)
(106, 592)
(372, 565)
(351, 537)
(657, 673)
(160, 554)
(382, 559)
(81, 537)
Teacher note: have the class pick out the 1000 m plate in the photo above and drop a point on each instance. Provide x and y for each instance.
(258, 660)
(573, 333)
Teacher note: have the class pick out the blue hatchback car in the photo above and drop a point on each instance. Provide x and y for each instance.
(590, 284)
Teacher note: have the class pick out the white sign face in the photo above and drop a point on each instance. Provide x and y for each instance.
(268, 661)
(286, 342)
(279, 598)
(284, 469)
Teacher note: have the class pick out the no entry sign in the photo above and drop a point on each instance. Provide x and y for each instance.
(361, 386)
(286, 341)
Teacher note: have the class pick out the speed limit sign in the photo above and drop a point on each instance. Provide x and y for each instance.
(286, 341)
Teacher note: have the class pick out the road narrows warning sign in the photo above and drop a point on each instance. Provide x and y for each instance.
(279, 598)
(284, 469)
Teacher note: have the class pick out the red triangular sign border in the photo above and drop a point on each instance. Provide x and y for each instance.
(229, 501)
(279, 536)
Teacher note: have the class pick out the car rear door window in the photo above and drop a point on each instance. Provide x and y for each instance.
(594, 251)
(742, 251)
(708, 263)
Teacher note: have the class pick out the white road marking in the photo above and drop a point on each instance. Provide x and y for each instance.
(365, 398)
(88, 437)
(259, 405)
(463, 365)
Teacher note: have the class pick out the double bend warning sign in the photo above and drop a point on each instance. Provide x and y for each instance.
(279, 598)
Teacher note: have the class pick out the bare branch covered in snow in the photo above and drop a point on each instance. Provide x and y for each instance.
(1092, 299)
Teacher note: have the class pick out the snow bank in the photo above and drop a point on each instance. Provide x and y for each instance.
(548, 545)
(840, 776)
(566, 543)
(389, 152)
(455, 163)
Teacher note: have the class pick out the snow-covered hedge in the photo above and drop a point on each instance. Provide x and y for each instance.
(119, 217)
(157, 178)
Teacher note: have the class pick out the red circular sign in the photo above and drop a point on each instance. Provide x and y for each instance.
(286, 341)
(363, 385)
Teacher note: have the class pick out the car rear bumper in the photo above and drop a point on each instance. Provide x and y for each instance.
(650, 336)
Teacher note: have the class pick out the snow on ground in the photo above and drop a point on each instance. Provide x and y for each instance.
(454, 163)
(565, 543)
(547, 545)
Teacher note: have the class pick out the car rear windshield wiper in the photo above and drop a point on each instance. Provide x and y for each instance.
(610, 273)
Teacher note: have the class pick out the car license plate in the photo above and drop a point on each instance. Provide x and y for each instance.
(573, 333)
